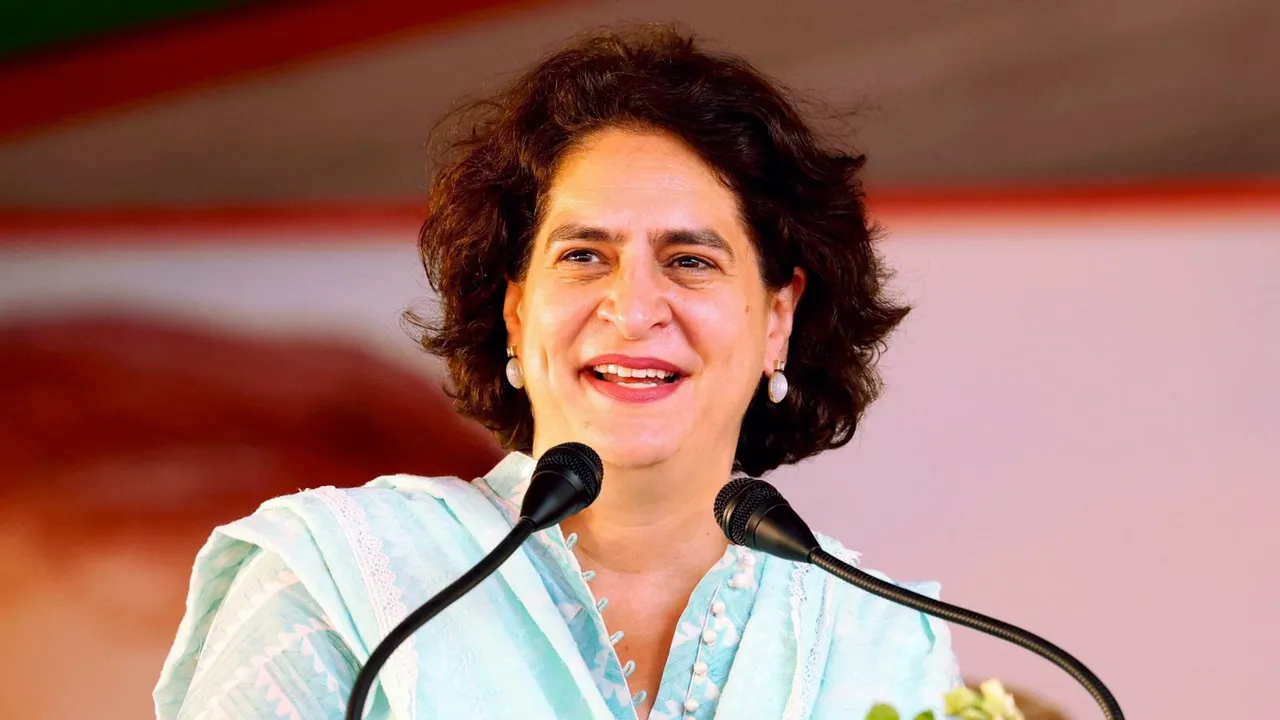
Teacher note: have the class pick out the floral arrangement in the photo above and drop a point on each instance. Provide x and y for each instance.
(990, 702)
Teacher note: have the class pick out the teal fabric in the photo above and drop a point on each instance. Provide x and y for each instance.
(285, 604)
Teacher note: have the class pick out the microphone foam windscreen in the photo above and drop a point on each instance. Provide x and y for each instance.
(747, 494)
(579, 459)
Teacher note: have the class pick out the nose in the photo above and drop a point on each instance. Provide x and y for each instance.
(636, 301)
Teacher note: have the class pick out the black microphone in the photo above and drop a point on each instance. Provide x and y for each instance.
(566, 480)
(753, 513)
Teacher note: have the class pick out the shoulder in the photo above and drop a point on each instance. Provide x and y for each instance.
(904, 655)
(358, 558)
(318, 532)
(355, 549)
(339, 539)
(853, 598)
(868, 615)
(381, 508)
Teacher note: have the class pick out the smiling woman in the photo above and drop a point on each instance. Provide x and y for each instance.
(641, 246)
(545, 157)
(666, 279)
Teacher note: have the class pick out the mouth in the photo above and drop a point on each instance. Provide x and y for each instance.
(633, 378)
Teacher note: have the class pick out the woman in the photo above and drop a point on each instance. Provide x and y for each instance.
(642, 247)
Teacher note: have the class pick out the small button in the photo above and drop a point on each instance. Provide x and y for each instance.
(739, 581)
(708, 637)
(700, 668)
(717, 608)
(602, 603)
(748, 560)
(589, 575)
(690, 705)
(629, 668)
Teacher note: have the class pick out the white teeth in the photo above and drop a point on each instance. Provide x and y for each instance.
(626, 372)
(638, 384)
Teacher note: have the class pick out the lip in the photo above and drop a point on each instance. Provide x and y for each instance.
(637, 363)
(633, 395)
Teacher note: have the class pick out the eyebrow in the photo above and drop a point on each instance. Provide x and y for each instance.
(702, 237)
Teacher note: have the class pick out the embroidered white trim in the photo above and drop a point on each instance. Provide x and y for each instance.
(379, 582)
(816, 660)
(795, 701)
(219, 635)
(297, 637)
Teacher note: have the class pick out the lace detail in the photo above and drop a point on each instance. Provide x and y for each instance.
(809, 669)
(815, 662)
(806, 682)
(379, 581)
(794, 706)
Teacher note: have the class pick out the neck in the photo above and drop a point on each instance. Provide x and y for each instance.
(654, 520)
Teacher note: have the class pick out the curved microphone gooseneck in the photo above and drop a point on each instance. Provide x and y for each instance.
(566, 480)
(753, 513)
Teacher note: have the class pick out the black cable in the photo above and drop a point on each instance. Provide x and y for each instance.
(491, 562)
(976, 621)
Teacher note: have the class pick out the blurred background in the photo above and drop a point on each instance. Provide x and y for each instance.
(207, 220)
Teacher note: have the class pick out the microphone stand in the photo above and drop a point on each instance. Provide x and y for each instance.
(753, 513)
(566, 479)
(523, 529)
(977, 621)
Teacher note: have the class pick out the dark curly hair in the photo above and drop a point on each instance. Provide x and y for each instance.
(801, 200)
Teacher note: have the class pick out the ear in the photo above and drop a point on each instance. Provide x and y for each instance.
(782, 312)
(512, 311)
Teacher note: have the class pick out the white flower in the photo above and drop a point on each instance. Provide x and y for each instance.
(997, 701)
(993, 703)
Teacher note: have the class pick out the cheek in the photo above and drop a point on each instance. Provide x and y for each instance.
(727, 334)
(555, 320)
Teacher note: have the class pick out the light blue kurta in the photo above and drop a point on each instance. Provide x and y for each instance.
(286, 603)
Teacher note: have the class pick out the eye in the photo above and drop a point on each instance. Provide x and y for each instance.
(691, 262)
(580, 256)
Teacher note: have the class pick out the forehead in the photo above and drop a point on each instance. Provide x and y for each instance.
(632, 177)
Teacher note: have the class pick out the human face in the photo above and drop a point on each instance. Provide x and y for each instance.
(643, 263)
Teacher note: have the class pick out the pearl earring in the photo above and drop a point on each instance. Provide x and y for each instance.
(515, 373)
(778, 382)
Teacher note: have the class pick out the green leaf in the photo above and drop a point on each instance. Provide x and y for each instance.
(882, 712)
(926, 715)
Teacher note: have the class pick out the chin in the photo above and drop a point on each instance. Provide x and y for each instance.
(625, 447)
